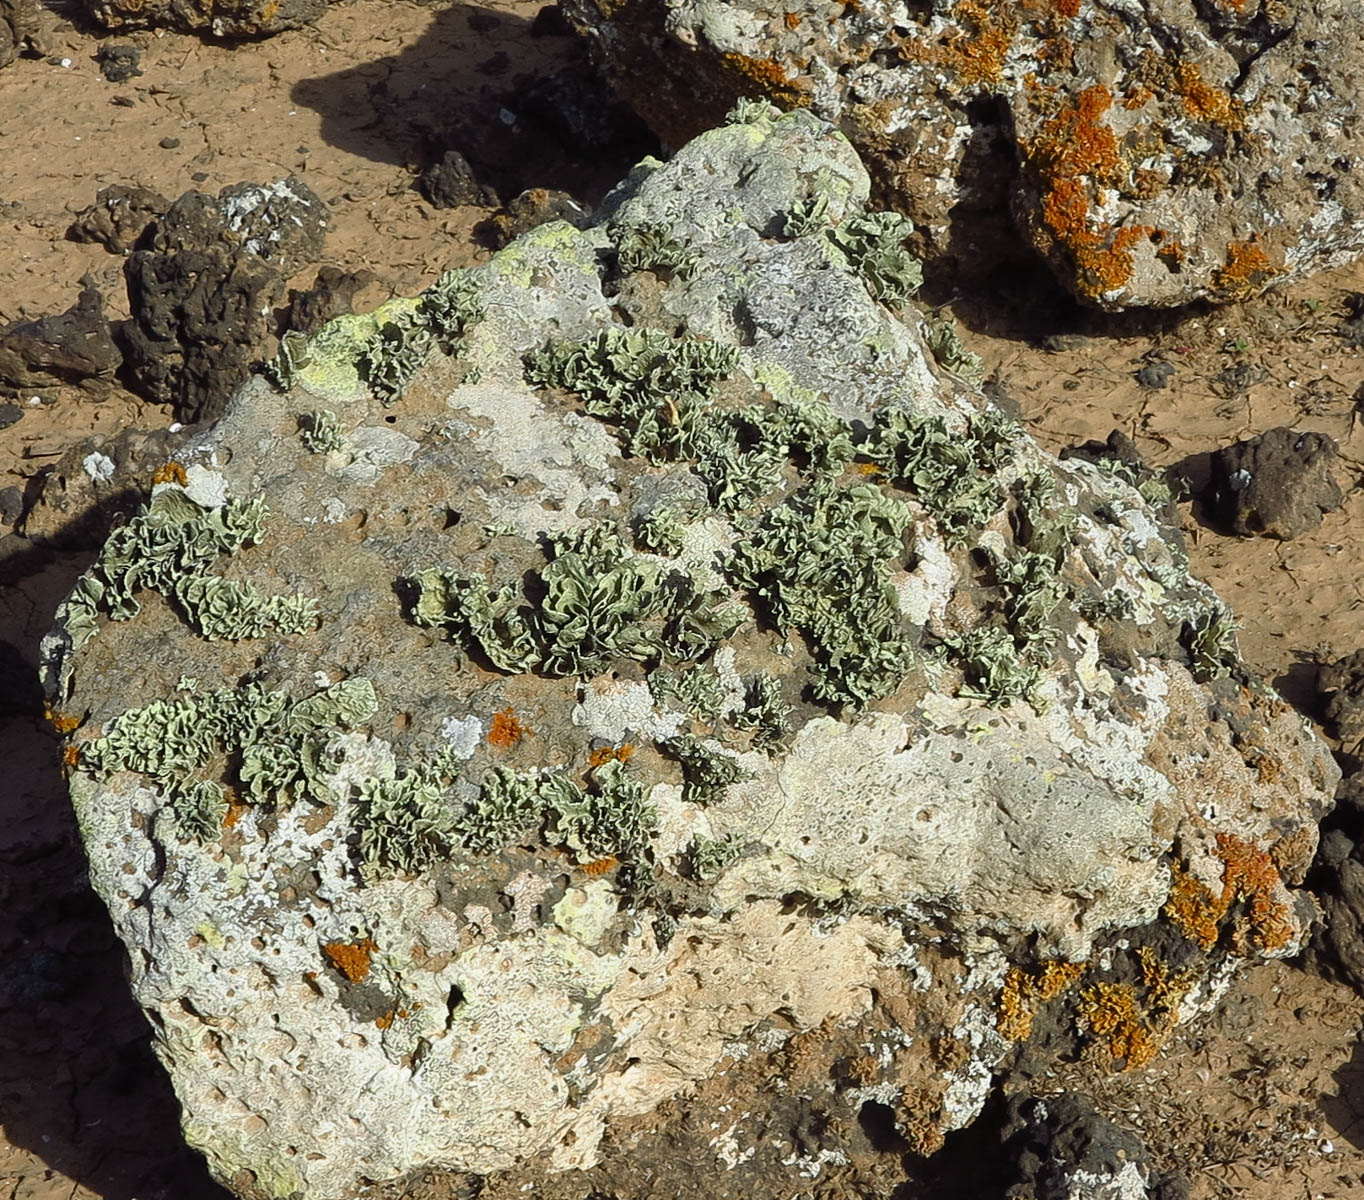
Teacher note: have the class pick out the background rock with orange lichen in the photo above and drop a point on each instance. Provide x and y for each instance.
(222, 18)
(1154, 154)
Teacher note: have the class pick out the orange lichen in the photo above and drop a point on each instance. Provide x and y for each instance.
(769, 75)
(1136, 96)
(1247, 269)
(1249, 876)
(506, 730)
(1165, 989)
(1067, 8)
(605, 754)
(386, 1020)
(1076, 151)
(1025, 992)
(235, 809)
(71, 756)
(1193, 909)
(792, 20)
(172, 472)
(601, 866)
(62, 723)
(1111, 1011)
(977, 51)
(1203, 102)
(352, 959)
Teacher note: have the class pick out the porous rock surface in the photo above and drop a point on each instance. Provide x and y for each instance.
(221, 18)
(1155, 152)
(632, 656)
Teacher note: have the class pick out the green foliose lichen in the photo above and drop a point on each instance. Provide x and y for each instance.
(945, 344)
(168, 548)
(594, 601)
(653, 387)
(612, 816)
(709, 771)
(320, 431)
(709, 856)
(276, 746)
(821, 563)
(872, 244)
(405, 823)
(953, 474)
(1210, 638)
(995, 671)
(654, 246)
(661, 531)
(765, 712)
(395, 353)
(451, 306)
(198, 811)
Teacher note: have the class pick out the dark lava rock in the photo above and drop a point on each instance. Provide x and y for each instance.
(118, 216)
(1155, 375)
(18, 29)
(551, 22)
(332, 295)
(1278, 484)
(450, 182)
(532, 208)
(76, 346)
(1341, 685)
(1062, 1149)
(10, 414)
(221, 18)
(11, 504)
(119, 63)
(203, 284)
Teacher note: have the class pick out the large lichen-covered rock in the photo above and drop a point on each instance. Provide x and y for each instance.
(1154, 152)
(632, 654)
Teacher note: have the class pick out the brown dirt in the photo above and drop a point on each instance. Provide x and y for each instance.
(1263, 1100)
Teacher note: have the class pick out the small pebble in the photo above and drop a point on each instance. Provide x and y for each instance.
(1155, 375)
(169, 143)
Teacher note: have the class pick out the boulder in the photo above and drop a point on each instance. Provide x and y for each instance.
(20, 30)
(74, 347)
(638, 656)
(202, 285)
(1278, 484)
(1154, 152)
(118, 217)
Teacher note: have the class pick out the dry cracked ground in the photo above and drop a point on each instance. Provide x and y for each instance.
(1264, 1099)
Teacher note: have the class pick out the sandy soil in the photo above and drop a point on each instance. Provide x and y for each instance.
(1263, 1100)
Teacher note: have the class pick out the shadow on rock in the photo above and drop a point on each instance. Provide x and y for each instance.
(1344, 1111)
(79, 1085)
(555, 124)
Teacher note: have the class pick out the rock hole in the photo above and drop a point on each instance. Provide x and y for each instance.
(878, 1123)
